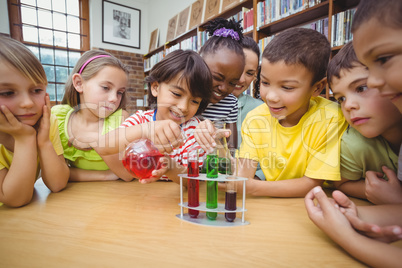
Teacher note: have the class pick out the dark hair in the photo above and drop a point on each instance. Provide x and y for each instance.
(346, 59)
(214, 43)
(300, 46)
(388, 12)
(71, 96)
(190, 67)
(249, 43)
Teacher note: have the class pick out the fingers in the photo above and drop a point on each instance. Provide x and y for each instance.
(342, 200)
(311, 208)
(390, 174)
(8, 115)
(204, 135)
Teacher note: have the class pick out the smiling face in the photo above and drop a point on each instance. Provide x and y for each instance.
(287, 90)
(174, 100)
(364, 108)
(379, 47)
(102, 93)
(226, 67)
(20, 95)
(249, 73)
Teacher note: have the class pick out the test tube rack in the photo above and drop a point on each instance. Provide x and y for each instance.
(220, 220)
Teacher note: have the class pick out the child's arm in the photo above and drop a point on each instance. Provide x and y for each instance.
(17, 183)
(352, 188)
(297, 187)
(380, 191)
(116, 166)
(330, 219)
(77, 174)
(170, 168)
(54, 170)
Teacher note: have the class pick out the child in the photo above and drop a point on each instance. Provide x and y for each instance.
(377, 30)
(94, 96)
(375, 136)
(246, 102)
(295, 136)
(28, 132)
(224, 56)
(180, 85)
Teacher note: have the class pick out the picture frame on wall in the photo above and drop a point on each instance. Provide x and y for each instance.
(154, 40)
(171, 31)
(182, 21)
(211, 9)
(121, 25)
(196, 13)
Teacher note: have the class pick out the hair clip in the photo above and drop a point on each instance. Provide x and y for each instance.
(227, 32)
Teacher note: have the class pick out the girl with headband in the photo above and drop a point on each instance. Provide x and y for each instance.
(29, 138)
(223, 53)
(92, 106)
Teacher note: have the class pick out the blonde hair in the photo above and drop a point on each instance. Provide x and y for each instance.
(19, 56)
(71, 96)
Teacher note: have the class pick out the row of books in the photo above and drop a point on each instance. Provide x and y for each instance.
(341, 27)
(151, 61)
(271, 10)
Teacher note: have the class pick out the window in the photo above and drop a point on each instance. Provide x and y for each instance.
(56, 31)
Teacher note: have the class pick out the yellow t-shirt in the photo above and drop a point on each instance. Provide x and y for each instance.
(311, 148)
(6, 157)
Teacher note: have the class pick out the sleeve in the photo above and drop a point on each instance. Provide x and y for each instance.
(133, 120)
(54, 135)
(232, 117)
(322, 141)
(350, 168)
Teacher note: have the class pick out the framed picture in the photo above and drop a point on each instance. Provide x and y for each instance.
(226, 4)
(171, 31)
(196, 13)
(154, 40)
(121, 25)
(182, 21)
(211, 9)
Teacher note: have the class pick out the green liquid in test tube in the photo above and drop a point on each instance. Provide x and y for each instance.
(212, 186)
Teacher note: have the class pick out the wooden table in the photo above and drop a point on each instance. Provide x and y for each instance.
(127, 224)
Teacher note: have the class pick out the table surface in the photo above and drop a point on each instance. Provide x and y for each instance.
(125, 224)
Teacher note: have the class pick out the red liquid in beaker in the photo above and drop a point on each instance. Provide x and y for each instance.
(142, 165)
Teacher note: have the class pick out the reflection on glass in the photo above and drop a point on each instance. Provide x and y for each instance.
(46, 56)
(28, 15)
(45, 37)
(74, 41)
(72, 7)
(60, 91)
(73, 24)
(52, 91)
(61, 57)
(73, 57)
(45, 18)
(59, 5)
(60, 39)
(59, 21)
(30, 34)
(44, 3)
(28, 2)
(49, 70)
(61, 74)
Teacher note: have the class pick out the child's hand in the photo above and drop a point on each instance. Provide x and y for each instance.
(205, 134)
(166, 135)
(10, 125)
(44, 123)
(166, 165)
(380, 191)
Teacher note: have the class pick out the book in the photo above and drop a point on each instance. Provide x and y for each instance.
(154, 40)
(196, 13)
(171, 28)
(182, 22)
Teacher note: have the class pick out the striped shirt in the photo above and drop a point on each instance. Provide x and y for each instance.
(225, 110)
(178, 154)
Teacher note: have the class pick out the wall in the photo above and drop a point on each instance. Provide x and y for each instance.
(4, 25)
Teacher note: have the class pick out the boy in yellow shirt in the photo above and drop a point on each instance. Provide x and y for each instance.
(296, 136)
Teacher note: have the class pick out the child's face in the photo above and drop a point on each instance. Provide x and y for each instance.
(287, 90)
(103, 92)
(24, 99)
(226, 68)
(364, 108)
(379, 47)
(175, 101)
(249, 73)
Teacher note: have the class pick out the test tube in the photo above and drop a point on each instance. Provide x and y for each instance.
(212, 186)
(193, 185)
(231, 188)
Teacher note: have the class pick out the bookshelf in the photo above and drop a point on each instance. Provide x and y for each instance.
(270, 17)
